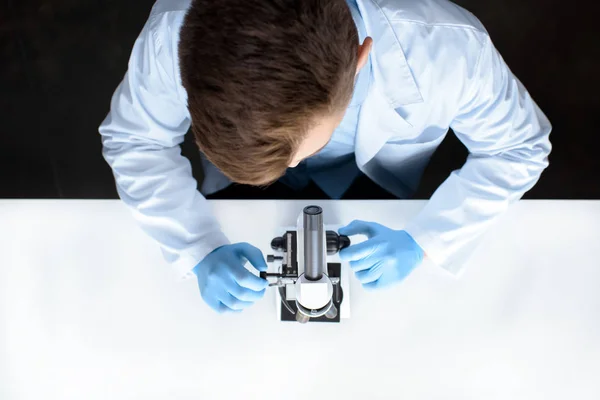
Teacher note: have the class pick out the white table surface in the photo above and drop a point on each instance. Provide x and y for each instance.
(89, 310)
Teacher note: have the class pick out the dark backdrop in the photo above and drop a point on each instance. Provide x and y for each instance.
(62, 59)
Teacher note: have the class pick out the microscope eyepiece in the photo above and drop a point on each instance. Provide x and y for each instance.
(313, 210)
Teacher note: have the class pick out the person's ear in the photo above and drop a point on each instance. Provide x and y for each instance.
(363, 53)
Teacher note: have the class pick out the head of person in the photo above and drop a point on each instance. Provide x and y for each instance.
(268, 81)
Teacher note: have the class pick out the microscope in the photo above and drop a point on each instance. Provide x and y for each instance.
(310, 288)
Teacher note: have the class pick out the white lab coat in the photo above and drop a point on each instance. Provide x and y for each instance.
(434, 67)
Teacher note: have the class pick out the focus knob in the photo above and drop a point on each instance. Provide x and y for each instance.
(279, 244)
(336, 242)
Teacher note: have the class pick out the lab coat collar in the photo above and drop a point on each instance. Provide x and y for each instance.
(376, 124)
(388, 60)
(363, 80)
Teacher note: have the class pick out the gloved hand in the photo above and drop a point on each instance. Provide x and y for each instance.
(225, 284)
(387, 257)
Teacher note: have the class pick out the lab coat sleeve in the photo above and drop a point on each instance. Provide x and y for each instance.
(141, 139)
(507, 136)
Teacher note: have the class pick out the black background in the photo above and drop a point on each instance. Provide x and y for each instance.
(62, 59)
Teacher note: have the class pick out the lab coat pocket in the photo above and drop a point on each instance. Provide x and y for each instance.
(421, 137)
(404, 152)
(406, 159)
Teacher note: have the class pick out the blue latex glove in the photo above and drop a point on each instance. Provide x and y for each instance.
(387, 257)
(225, 283)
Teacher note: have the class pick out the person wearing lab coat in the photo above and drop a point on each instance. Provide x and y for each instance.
(323, 92)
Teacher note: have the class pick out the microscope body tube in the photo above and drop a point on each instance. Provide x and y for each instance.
(314, 243)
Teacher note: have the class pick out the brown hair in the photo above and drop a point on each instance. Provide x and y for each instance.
(258, 73)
